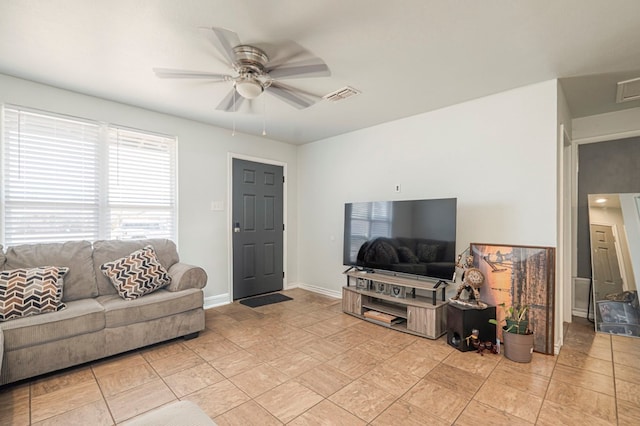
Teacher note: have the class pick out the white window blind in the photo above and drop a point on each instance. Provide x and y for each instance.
(72, 179)
(141, 185)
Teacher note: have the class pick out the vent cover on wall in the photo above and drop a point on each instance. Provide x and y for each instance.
(340, 94)
(628, 90)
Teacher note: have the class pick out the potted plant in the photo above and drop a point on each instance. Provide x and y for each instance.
(516, 335)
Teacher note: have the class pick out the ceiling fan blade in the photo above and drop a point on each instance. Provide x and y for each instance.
(302, 69)
(289, 96)
(174, 73)
(224, 40)
(231, 102)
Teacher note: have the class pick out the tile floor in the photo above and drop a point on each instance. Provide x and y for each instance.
(304, 362)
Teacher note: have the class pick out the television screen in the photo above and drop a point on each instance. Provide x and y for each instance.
(416, 237)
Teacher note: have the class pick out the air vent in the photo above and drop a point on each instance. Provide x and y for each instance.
(341, 94)
(628, 90)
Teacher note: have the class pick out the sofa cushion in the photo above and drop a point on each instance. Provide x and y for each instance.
(80, 281)
(109, 250)
(31, 291)
(80, 317)
(138, 274)
(3, 258)
(162, 303)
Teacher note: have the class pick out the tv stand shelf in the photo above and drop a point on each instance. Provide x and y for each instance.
(419, 315)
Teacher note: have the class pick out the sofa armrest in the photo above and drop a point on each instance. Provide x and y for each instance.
(184, 276)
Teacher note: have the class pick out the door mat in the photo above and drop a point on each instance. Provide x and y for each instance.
(267, 299)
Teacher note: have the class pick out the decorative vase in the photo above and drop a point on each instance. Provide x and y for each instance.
(517, 347)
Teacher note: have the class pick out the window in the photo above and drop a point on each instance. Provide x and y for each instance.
(67, 179)
(368, 221)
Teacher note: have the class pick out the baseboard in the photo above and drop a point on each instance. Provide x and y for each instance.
(320, 290)
(582, 313)
(217, 300)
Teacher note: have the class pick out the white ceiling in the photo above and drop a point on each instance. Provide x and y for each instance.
(406, 57)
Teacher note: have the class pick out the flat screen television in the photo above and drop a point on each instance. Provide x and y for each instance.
(413, 237)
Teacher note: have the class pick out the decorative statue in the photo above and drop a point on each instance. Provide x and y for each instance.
(472, 280)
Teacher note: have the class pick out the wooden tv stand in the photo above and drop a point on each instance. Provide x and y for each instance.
(419, 315)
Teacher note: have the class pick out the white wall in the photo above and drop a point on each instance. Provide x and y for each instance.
(496, 154)
(202, 171)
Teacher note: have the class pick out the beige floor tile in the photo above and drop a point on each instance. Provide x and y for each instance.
(379, 349)
(258, 380)
(628, 374)
(218, 398)
(586, 379)
(587, 401)
(61, 380)
(295, 363)
(269, 350)
(141, 399)
(324, 314)
(473, 362)
(441, 401)
(164, 350)
(296, 338)
(193, 379)
(628, 392)
(505, 398)
(248, 336)
(210, 350)
(322, 350)
(288, 400)
(529, 383)
(126, 379)
(390, 379)
(178, 362)
(324, 328)
(248, 414)
(354, 363)
(363, 399)
(324, 379)
(626, 344)
(235, 363)
(456, 379)
(64, 399)
(628, 413)
(405, 414)
(553, 414)
(95, 413)
(581, 360)
(14, 405)
(437, 349)
(540, 364)
(627, 358)
(118, 363)
(326, 413)
(476, 410)
(349, 338)
(412, 362)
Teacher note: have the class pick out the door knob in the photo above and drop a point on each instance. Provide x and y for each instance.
(236, 227)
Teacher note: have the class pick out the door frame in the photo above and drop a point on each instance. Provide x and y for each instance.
(230, 157)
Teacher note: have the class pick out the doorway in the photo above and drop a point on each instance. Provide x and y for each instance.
(258, 228)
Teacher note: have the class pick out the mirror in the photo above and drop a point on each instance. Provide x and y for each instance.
(614, 228)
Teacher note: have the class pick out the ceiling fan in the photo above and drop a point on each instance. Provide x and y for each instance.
(253, 74)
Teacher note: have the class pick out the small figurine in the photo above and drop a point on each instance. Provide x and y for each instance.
(472, 280)
(479, 346)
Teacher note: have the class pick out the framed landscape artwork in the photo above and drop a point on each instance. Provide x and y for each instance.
(520, 275)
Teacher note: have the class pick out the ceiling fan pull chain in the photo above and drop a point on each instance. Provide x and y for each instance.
(233, 132)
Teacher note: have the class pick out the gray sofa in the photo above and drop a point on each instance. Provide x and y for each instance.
(97, 322)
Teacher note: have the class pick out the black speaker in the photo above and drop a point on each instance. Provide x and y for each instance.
(461, 320)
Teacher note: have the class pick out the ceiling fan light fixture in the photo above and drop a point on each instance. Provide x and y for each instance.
(249, 88)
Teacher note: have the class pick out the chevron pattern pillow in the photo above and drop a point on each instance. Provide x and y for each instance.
(138, 274)
(32, 291)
